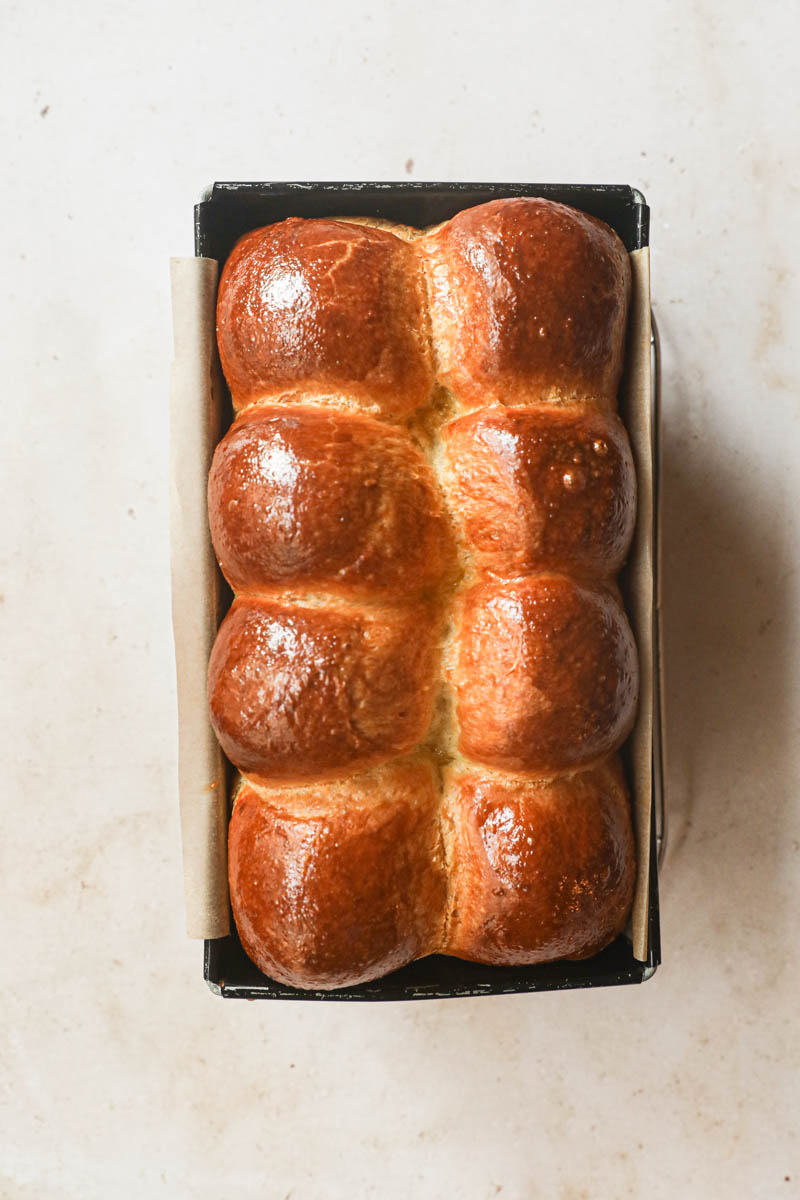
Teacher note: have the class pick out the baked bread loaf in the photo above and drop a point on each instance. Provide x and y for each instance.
(426, 673)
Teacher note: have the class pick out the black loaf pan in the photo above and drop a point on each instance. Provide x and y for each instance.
(226, 212)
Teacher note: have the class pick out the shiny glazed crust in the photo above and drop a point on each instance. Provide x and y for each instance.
(326, 310)
(337, 884)
(299, 693)
(539, 869)
(426, 670)
(542, 489)
(303, 498)
(546, 676)
(529, 303)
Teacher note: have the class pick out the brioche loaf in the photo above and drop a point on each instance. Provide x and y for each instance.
(421, 506)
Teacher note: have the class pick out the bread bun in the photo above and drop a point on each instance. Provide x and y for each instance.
(542, 489)
(546, 678)
(336, 884)
(299, 693)
(327, 311)
(539, 869)
(421, 506)
(529, 303)
(303, 498)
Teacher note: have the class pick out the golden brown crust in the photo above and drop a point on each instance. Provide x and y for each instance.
(330, 525)
(299, 693)
(332, 886)
(303, 498)
(328, 310)
(539, 870)
(546, 677)
(528, 303)
(543, 489)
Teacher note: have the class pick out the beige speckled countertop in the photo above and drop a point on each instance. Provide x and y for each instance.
(125, 1076)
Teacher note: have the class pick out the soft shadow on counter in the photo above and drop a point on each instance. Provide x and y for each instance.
(727, 612)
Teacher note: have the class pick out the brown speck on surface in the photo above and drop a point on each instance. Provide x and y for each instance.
(764, 626)
(44, 111)
(409, 165)
(771, 331)
(131, 512)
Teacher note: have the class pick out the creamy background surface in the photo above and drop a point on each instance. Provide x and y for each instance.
(122, 1075)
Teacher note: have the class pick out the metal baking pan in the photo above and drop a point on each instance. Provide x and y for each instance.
(227, 211)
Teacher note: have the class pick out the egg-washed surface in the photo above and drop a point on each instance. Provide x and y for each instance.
(543, 489)
(304, 497)
(325, 309)
(425, 595)
(540, 869)
(334, 884)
